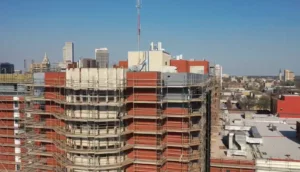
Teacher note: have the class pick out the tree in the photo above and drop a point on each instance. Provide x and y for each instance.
(246, 103)
(226, 79)
(261, 87)
(288, 83)
(264, 103)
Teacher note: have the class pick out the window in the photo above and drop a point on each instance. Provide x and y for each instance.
(15, 87)
(18, 167)
(166, 63)
(16, 104)
(227, 170)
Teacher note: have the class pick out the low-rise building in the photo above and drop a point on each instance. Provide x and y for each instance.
(235, 86)
(286, 106)
(246, 93)
(256, 143)
(269, 84)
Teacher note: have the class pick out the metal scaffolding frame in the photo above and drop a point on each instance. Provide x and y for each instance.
(161, 89)
(72, 96)
(12, 110)
(70, 124)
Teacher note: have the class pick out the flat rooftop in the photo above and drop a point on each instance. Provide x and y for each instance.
(279, 144)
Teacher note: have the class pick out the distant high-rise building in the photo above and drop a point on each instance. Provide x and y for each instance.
(280, 75)
(87, 63)
(68, 52)
(44, 66)
(102, 57)
(219, 73)
(6, 68)
(288, 75)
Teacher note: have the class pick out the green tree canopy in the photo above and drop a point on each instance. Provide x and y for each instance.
(247, 103)
(264, 103)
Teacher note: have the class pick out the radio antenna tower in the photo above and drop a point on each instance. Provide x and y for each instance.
(138, 8)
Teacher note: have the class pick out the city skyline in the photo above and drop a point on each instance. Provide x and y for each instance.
(243, 40)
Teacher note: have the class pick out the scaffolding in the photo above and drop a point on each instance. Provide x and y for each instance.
(215, 109)
(213, 116)
(95, 120)
(12, 93)
(169, 122)
(76, 125)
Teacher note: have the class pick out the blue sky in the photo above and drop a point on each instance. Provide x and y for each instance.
(247, 37)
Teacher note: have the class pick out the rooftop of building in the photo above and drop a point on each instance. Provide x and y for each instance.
(278, 144)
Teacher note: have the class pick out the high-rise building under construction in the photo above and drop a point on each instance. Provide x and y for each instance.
(113, 119)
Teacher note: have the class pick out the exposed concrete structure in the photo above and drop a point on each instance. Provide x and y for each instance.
(109, 119)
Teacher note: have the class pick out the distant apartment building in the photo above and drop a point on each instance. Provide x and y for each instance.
(6, 68)
(87, 63)
(102, 57)
(44, 66)
(288, 75)
(68, 52)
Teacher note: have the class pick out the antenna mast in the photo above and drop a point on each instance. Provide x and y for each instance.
(138, 7)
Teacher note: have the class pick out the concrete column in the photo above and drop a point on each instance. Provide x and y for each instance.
(115, 97)
(230, 140)
(81, 98)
